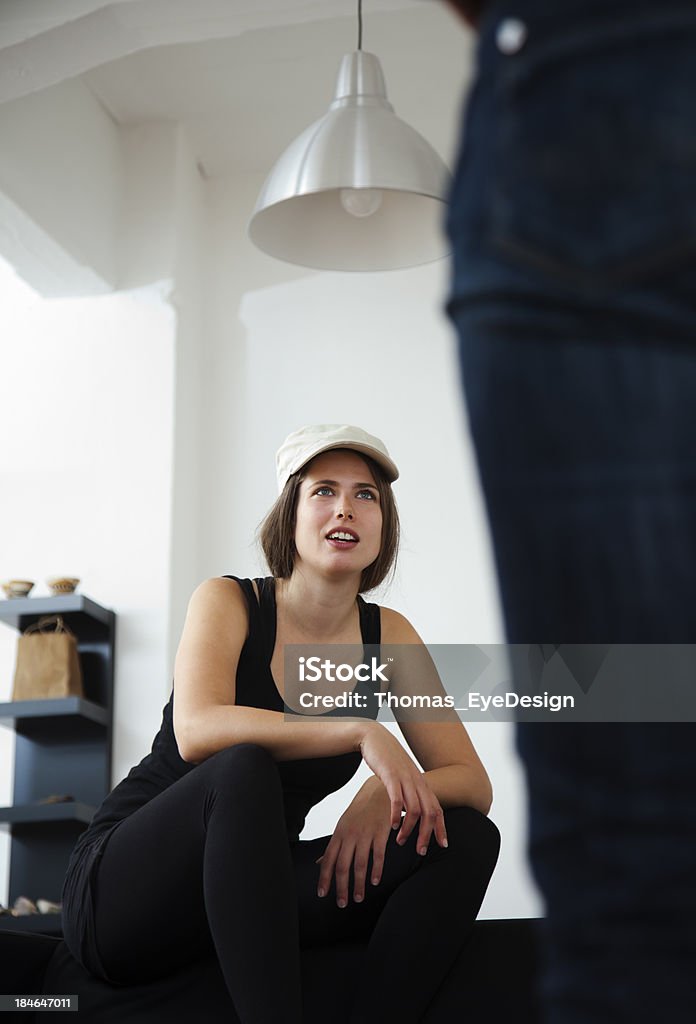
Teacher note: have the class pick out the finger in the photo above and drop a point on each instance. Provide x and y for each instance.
(432, 821)
(413, 813)
(441, 828)
(345, 859)
(430, 807)
(397, 802)
(328, 861)
(362, 854)
(410, 820)
(428, 824)
(378, 848)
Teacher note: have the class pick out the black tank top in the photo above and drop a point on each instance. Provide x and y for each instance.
(305, 782)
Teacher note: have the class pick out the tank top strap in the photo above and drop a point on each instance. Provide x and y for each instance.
(370, 622)
(267, 611)
(257, 630)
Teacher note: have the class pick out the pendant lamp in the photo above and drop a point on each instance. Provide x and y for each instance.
(357, 190)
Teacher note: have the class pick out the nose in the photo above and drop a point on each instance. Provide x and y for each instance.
(344, 512)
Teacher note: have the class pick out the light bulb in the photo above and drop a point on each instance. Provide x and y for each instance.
(361, 202)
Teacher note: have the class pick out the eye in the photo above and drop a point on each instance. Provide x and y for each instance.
(367, 494)
(323, 490)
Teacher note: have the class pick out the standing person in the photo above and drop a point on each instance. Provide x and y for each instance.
(573, 223)
(197, 852)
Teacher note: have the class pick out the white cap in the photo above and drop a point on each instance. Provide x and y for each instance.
(299, 447)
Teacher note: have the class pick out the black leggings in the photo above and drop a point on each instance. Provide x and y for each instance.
(206, 868)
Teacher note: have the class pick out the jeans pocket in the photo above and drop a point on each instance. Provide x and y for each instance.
(594, 159)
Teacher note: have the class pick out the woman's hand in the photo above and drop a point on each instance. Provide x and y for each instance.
(406, 787)
(365, 824)
(363, 827)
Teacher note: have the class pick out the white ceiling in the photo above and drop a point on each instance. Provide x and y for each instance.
(244, 76)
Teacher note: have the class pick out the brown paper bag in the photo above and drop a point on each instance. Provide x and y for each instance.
(48, 664)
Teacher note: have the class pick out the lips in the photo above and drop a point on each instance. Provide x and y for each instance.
(342, 538)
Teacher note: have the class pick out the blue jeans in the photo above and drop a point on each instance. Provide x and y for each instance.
(573, 292)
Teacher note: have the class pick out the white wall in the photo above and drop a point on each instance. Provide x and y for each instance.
(85, 482)
(62, 160)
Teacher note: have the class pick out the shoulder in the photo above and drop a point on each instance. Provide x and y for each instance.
(396, 628)
(225, 587)
(219, 595)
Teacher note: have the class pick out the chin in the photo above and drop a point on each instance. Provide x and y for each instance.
(344, 570)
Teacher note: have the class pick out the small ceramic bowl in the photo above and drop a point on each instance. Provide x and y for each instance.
(18, 588)
(62, 584)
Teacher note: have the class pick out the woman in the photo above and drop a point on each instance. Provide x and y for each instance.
(197, 852)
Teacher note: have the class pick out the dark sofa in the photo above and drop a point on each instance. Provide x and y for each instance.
(493, 980)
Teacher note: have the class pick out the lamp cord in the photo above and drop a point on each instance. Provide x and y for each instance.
(360, 24)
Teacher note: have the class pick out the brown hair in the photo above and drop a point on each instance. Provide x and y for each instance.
(277, 531)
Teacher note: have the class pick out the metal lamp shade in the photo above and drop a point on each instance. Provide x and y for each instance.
(359, 145)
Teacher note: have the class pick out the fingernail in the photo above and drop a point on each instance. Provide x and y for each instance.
(321, 892)
(423, 850)
(341, 903)
(358, 897)
(445, 843)
(375, 881)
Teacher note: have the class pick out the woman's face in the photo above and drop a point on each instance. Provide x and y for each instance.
(338, 525)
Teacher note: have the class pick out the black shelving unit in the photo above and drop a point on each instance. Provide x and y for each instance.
(63, 746)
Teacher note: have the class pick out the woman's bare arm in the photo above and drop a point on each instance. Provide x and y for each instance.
(206, 718)
(439, 741)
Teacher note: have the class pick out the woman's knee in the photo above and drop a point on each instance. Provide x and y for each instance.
(245, 766)
(473, 835)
